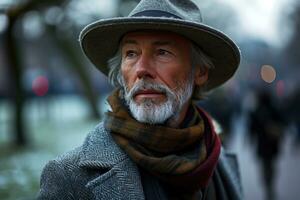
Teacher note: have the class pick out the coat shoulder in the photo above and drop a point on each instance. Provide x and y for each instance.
(55, 179)
(64, 178)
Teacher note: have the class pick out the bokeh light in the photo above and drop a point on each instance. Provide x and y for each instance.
(268, 73)
(40, 85)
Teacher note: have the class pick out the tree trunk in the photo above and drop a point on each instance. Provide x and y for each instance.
(17, 93)
(71, 53)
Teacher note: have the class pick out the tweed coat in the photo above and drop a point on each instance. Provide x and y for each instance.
(99, 169)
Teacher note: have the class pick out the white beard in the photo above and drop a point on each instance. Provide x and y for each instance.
(152, 112)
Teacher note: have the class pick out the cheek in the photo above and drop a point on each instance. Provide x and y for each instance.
(178, 82)
(175, 79)
(125, 74)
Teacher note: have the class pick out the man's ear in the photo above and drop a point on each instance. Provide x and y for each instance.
(201, 76)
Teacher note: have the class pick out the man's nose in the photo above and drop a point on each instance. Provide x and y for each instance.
(145, 67)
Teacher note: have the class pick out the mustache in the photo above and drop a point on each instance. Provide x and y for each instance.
(148, 85)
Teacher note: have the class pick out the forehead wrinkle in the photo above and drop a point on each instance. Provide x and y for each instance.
(163, 43)
(128, 41)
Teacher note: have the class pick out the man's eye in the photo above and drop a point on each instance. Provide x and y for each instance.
(163, 52)
(130, 54)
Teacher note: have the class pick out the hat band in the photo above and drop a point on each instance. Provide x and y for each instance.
(155, 13)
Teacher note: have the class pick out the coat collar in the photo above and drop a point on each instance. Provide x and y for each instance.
(100, 151)
(120, 179)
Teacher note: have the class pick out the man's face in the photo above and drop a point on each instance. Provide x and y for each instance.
(157, 74)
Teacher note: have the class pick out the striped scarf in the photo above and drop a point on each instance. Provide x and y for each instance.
(160, 150)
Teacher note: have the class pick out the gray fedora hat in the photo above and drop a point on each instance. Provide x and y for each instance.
(100, 40)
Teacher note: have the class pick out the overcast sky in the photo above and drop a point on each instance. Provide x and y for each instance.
(262, 18)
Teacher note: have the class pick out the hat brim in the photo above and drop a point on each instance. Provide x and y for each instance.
(100, 41)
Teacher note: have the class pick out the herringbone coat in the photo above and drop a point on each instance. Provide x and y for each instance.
(99, 169)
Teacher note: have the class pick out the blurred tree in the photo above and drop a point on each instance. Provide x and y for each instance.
(15, 73)
(15, 67)
(71, 52)
(292, 50)
(15, 60)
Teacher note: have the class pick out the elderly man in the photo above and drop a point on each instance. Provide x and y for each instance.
(155, 142)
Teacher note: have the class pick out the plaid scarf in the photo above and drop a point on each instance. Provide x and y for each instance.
(162, 150)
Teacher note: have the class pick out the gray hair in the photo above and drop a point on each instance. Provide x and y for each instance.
(198, 59)
(205, 63)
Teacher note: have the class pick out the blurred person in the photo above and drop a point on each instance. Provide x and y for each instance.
(154, 143)
(223, 113)
(266, 125)
(292, 109)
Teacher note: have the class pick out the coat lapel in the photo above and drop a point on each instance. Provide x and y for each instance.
(228, 172)
(121, 179)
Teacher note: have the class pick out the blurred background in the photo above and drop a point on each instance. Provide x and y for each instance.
(51, 96)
